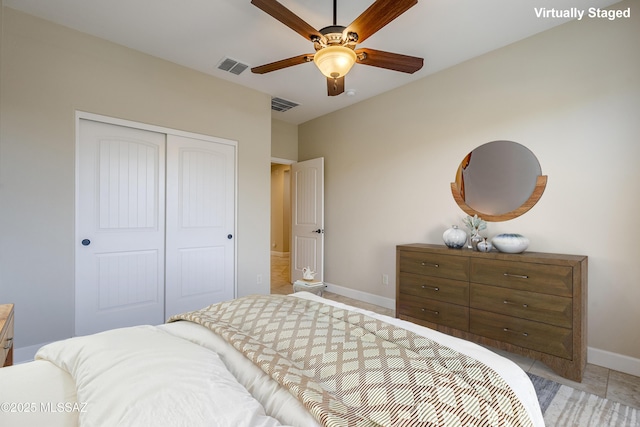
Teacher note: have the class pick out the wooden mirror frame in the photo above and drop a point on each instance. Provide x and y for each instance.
(541, 184)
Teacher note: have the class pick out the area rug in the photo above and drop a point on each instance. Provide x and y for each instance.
(564, 406)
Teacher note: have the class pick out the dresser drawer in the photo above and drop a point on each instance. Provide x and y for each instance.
(6, 340)
(544, 278)
(544, 308)
(437, 265)
(537, 336)
(446, 290)
(442, 313)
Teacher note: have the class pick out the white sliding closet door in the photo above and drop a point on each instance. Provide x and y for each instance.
(155, 224)
(120, 227)
(200, 223)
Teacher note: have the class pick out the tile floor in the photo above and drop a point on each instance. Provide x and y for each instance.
(604, 382)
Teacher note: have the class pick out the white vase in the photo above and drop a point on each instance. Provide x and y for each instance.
(474, 239)
(510, 243)
(454, 237)
(484, 246)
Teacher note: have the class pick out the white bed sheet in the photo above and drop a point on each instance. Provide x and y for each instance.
(27, 386)
(143, 376)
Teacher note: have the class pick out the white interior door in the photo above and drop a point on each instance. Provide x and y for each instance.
(200, 266)
(307, 218)
(120, 227)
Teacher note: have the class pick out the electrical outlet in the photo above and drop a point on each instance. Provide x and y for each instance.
(385, 279)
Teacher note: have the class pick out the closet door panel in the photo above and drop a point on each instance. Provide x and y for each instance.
(200, 266)
(119, 227)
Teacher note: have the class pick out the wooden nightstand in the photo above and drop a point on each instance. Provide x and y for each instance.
(6, 334)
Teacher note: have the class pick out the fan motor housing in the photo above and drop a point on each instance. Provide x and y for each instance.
(335, 35)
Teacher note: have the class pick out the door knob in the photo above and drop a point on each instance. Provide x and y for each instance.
(86, 242)
(319, 231)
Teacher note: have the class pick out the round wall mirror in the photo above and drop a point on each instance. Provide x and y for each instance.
(498, 181)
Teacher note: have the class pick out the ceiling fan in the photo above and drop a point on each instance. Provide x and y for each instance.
(335, 45)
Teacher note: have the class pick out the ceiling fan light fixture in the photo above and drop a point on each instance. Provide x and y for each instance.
(335, 61)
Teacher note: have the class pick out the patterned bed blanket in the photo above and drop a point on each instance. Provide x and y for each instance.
(349, 369)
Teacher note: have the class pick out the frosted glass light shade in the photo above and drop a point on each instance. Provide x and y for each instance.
(335, 61)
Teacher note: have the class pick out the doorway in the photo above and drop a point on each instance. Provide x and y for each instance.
(280, 228)
(297, 222)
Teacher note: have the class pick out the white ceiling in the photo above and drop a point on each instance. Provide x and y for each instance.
(199, 33)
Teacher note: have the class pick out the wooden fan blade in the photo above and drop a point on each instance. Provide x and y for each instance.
(335, 86)
(288, 18)
(388, 60)
(377, 16)
(284, 63)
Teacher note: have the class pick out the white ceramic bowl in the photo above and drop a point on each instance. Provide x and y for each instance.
(510, 243)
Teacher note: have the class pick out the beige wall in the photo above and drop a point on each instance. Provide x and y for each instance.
(571, 95)
(48, 73)
(284, 140)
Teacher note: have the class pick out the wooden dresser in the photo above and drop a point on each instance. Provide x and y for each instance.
(6, 334)
(534, 304)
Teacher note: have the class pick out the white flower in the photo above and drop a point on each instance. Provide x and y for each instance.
(474, 224)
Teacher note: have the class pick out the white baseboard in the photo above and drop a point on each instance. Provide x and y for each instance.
(362, 296)
(617, 362)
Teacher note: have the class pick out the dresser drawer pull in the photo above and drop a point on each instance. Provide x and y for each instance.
(435, 288)
(431, 311)
(426, 264)
(519, 276)
(7, 344)
(515, 303)
(515, 332)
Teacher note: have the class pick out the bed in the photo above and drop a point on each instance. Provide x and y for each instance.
(262, 361)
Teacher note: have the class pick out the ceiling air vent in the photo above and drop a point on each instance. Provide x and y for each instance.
(282, 105)
(232, 66)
